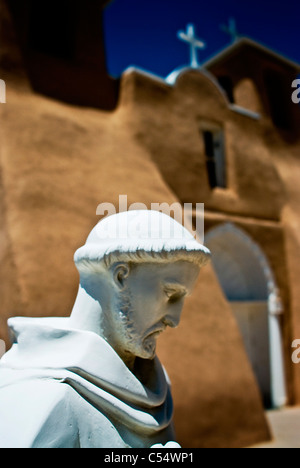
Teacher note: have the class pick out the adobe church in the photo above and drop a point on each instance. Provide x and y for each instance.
(225, 134)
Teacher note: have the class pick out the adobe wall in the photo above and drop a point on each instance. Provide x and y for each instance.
(263, 172)
(58, 163)
(172, 135)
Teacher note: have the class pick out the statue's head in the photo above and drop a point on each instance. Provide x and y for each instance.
(139, 265)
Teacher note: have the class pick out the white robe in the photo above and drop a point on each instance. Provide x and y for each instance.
(66, 388)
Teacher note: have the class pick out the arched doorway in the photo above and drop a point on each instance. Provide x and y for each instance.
(249, 285)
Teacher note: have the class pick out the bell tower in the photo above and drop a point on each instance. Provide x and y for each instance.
(62, 44)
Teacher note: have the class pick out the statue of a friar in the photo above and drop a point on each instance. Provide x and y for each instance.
(93, 380)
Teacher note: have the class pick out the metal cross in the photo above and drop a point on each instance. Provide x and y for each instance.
(231, 29)
(190, 38)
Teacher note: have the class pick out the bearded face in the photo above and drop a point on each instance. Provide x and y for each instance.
(133, 338)
(151, 298)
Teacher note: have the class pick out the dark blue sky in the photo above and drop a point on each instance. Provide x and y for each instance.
(143, 32)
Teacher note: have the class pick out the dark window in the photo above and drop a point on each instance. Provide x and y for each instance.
(226, 83)
(279, 98)
(215, 157)
(52, 28)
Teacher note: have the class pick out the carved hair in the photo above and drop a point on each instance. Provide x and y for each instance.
(92, 263)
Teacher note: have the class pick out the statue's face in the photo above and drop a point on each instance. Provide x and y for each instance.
(151, 298)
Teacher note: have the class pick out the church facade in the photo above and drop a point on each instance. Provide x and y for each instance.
(226, 135)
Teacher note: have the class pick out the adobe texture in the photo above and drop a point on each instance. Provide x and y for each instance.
(59, 161)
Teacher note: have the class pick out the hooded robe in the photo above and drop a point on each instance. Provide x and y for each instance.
(67, 388)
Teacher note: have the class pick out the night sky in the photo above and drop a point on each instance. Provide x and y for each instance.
(143, 33)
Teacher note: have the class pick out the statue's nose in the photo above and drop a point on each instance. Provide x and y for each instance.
(171, 321)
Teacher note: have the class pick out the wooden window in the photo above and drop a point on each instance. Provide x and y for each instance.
(215, 157)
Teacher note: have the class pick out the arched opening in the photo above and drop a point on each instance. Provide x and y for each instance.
(248, 284)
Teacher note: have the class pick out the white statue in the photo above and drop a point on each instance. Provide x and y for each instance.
(93, 380)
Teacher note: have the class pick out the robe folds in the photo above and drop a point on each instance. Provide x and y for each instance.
(67, 388)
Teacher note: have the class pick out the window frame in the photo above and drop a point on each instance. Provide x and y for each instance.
(213, 137)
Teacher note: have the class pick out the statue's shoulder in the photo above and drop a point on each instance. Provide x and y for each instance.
(59, 423)
(47, 407)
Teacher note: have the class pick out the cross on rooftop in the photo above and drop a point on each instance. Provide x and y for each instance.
(190, 38)
(231, 29)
